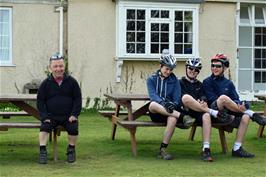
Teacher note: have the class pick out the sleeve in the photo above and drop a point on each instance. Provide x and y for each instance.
(209, 91)
(77, 99)
(41, 101)
(151, 87)
(234, 95)
(177, 93)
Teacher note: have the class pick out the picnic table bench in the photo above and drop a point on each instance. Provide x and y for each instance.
(130, 122)
(21, 101)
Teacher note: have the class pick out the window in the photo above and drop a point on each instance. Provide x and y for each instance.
(252, 47)
(5, 36)
(145, 29)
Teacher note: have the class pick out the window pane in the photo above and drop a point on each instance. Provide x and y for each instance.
(245, 79)
(131, 37)
(188, 38)
(188, 16)
(155, 13)
(165, 37)
(164, 46)
(188, 27)
(130, 14)
(179, 15)
(154, 48)
(259, 15)
(257, 78)
(164, 14)
(4, 16)
(154, 37)
(258, 40)
(155, 27)
(263, 63)
(244, 16)
(179, 26)
(245, 58)
(130, 48)
(140, 48)
(179, 37)
(131, 25)
(164, 27)
(264, 78)
(4, 55)
(188, 48)
(141, 26)
(141, 14)
(4, 42)
(257, 63)
(140, 37)
(245, 36)
(179, 48)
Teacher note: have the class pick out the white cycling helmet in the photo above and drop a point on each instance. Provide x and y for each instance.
(194, 62)
(167, 59)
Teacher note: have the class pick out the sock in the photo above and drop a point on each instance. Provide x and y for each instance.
(71, 146)
(206, 145)
(163, 145)
(214, 113)
(249, 112)
(237, 145)
(42, 148)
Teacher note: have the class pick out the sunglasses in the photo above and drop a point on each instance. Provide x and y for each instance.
(216, 66)
(56, 57)
(193, 69)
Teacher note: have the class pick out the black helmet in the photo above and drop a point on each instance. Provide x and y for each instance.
(167, 59)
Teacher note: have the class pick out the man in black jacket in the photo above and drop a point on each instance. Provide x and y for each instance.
(59, 103)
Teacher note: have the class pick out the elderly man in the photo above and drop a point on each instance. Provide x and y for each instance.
(59, 103)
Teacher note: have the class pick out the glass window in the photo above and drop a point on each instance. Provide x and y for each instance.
(5, 36)
(259, 19)
(144, 31)
(244, 14)
(245, 36)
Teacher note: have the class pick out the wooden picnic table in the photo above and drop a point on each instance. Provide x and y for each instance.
(261, 127)
(126, 101)
(21, 101)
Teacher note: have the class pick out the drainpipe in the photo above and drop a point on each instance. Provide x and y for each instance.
(61, 27)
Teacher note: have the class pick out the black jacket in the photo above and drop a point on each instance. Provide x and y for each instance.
(59, 102)
(195, 89)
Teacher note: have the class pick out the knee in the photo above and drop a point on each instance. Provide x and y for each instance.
(206, 118)
(245, 119)
(72, 128)
(171, 120)
(223, 98)
(153, 106)
(46, 127)
(186, 98)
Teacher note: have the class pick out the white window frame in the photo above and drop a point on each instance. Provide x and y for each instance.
(122, 6)
(9, 62)
(251, 24)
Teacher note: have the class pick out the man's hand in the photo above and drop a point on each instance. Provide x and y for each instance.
(72, 119)
(203, 104)
(169, 106)
(242, 107)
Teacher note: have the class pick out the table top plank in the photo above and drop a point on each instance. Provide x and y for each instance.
(128, 97)
(18, 97)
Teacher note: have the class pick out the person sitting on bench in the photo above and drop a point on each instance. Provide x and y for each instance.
(165, 94)
(194, 102)
(221, 94)
(59, 103)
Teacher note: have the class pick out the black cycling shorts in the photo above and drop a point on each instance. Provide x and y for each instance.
(70, 127)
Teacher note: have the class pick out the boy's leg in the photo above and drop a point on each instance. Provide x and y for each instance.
(206, 133)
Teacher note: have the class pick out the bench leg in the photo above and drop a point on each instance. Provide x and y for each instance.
(223, 141)
(113, 131)
(55, 146)
(133, 141)
(260, 131)
(192, 132)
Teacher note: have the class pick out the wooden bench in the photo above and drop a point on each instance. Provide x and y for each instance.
(132, 125)
(7, 115)
(4, 126)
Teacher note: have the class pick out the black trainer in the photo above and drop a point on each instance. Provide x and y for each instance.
(71, 155)
(242, 153)
(43, 157)
(259, 119)
(164, 155)
(206, 155)
(224, 117)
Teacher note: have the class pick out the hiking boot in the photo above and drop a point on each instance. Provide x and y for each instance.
(164, 155)
(206, 155)
(224, 117)
(43, 157)
(188, 121)
(71, 155)
(242, 153)
(259, 119)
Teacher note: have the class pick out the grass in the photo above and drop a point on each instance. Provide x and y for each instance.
(98, 155)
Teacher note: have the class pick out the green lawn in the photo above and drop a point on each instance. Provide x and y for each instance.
(98, 155)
